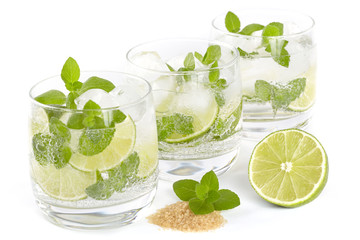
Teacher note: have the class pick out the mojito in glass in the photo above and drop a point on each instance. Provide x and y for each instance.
(198, 101)
(278, 66)
(93, 147)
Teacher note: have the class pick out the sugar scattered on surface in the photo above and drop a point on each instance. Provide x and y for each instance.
(178, 216)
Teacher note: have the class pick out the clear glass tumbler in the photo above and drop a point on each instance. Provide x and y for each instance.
(95, 164)
(198, 103)
(278, 66)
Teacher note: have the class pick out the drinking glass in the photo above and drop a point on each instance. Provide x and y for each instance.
(198, 103)
(93, 167)
(278, 67)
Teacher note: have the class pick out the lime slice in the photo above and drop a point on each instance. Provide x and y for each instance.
(202, 106)
(120, 147)
(288, 168)
(39, 122)
(228, 119)
(148, 154)
(307, 98)
(66, 184)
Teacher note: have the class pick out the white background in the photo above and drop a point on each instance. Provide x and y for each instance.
(36, 37)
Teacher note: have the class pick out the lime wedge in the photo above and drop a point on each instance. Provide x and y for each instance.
(202, 106)
(148, 154)
(121, 145)
(39, 122)
(307, 98)
(66, 184)
(288, 168)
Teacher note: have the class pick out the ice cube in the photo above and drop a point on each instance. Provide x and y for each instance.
(125, 96)
(150, 60)
(99, 96)
(198, 100)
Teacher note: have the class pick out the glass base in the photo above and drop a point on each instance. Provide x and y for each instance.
(98, 218)
(173, 170)
(258, 127)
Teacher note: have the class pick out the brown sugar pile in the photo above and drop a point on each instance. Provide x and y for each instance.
(178, 216)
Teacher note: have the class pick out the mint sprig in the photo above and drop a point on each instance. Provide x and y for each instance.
(205, 197)
(274, 46)
(176, 123)
(279, 95)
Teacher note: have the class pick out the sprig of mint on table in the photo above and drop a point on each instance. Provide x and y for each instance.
(205, 196)
(274, 46)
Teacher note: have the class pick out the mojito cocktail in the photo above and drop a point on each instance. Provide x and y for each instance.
(198, 101)
(278, 66)
(93, 143)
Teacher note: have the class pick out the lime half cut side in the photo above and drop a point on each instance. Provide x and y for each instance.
(288, 168)
(67, 183)
(120, 147)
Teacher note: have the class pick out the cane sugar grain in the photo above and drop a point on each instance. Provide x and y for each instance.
(178, 216)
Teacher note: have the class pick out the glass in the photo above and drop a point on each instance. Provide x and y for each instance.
(197, 95)
(94, 167)
(278, 73)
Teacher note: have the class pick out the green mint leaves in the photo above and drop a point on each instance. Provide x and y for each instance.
(205, 197)
(176, 123)
(70, 74)
(274, 46)
(279, 95)
(52, 97)
(117, 179)
(53, 148)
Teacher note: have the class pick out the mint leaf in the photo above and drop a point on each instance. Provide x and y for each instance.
(263, 90)
(124, 174)
(214, 74)
(70, 100)
(297, 87)
(219, 98)
(198, 56)
(210, 180)
(118, 117)
(59, 129)
(51, 97)
(189, 62)
(227, 200)
(279, 25)
(200, 207)
(213, 53)
(91, 105)
(101, 190)
(176, 123)
(75, 121)
(251, 28)
(212, 196)
(170, 68)
(94, 141)
(50, 149)
(96, 83)
(245, 54)
(201, 191)
(232, 22)
(278, 52)
(185, 189)
(70, 72)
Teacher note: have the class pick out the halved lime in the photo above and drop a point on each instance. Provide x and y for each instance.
(307, 98)
(66, 184)
(288, 168)
(202, 106)
(121, 145)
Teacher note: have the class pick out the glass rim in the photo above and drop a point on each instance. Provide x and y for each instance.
(302, 32)
(64, 109)
(181, 73)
